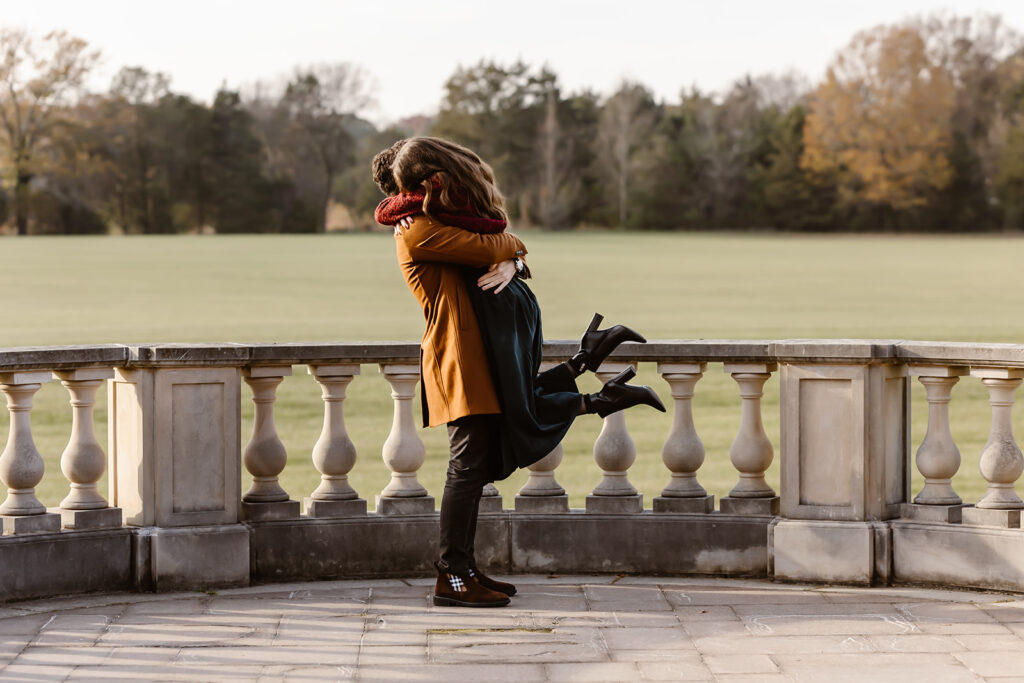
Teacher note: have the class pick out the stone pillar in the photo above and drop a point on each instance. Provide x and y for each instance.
(265, 456)
(403, 450)
(542, 493)
(334, 454)
(175, 467)
(1001, 462)
(683, 452)
(938, 458)
(751, 451)
(614, 452)
(83, 461)
(845, 452)
(21, 466)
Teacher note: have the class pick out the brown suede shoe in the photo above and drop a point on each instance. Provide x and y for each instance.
(463, 590)
(487, 582)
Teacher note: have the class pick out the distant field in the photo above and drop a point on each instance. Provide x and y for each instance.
(347, 287)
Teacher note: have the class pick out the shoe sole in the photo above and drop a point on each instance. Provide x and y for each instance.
(452, 602)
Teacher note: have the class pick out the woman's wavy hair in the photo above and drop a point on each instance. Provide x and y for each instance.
(455, 175)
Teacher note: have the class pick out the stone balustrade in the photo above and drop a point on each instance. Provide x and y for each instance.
(175, 515)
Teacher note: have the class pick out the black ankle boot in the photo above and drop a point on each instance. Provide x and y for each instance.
(597, 344)
(616, 395)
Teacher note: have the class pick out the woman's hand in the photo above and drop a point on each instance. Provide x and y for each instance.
(403, 224)
(498, 275)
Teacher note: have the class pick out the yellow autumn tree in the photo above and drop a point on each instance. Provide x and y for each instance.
(880, 123)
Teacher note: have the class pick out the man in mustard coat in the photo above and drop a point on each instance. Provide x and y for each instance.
(457, 387)
(455, 374)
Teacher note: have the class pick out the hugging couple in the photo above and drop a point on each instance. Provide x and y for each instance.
(481, 351)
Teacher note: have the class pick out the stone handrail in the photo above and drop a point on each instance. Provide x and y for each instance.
(845, 511)
(702, 350)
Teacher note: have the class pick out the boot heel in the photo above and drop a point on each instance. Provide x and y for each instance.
(624, 376)
(594, 322)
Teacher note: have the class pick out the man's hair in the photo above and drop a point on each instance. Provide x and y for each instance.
(382, 174)
(458, 177)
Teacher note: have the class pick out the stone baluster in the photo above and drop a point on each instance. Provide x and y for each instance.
(1001, 462)
(683, 452)
(490, 499)
(542, 493)
(83, 461)
(334, 454)
(751, 451)
(265, 456)
(21, 466)
(403, 451)
(938, 458)
(614, 452)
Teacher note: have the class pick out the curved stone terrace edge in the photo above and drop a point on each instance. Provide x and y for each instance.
(177, 518)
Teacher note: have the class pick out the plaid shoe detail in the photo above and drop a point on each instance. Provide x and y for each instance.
(456, 583)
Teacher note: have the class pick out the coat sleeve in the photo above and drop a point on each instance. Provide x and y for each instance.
(428, 240)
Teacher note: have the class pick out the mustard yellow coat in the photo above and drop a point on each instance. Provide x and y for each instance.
(455, 375)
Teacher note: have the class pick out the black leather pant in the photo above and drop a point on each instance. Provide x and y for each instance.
(474, 446)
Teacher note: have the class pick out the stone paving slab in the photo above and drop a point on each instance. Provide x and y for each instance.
(566, 628)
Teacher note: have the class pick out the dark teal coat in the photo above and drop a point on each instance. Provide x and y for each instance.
(536, 409)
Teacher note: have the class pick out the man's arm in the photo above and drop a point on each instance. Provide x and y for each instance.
(428, 240)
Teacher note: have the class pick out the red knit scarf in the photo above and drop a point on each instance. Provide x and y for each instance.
(407, 205)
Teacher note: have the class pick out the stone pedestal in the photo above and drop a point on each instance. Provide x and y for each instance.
(419, 505)
(542, 504)
(103, 518)
(192, 558)
(697, 506)
(949, 514)
(354, 507)
(30, 524)
(1004, 519)
(753, 507)
(263, 512)
(831, 552)
(613, 505)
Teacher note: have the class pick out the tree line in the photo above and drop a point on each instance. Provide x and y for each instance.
(916, 126)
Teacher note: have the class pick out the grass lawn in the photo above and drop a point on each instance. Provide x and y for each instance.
(346, 287)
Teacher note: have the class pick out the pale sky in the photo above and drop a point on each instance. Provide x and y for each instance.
(412, 46)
